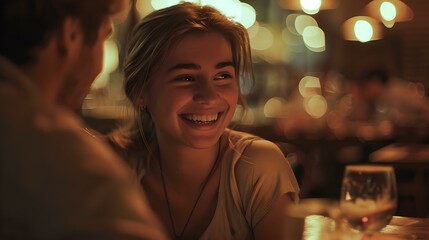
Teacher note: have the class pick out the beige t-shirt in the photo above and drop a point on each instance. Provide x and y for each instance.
(248, 186)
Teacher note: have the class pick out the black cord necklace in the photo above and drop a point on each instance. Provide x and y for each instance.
(196, 201)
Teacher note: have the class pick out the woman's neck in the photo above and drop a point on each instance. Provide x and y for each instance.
(184, 166)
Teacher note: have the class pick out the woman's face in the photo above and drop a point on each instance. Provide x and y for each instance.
(194, 91)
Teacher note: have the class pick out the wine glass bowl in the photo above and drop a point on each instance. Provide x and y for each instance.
(368, 197)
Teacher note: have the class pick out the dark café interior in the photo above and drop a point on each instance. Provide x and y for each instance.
(337, 84)
(328, 99)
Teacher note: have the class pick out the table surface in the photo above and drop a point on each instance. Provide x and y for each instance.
(321, 227)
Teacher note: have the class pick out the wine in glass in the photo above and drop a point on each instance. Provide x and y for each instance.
(368, 197)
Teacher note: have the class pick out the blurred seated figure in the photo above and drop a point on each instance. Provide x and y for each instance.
(57, 181)
(367, 94)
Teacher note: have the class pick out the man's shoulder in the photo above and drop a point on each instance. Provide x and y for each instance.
(50, 133)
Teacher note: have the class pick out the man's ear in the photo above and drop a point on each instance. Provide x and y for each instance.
(70, 38)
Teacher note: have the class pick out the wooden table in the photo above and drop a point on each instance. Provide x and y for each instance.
(400, 228)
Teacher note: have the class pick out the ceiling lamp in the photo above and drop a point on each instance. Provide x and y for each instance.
(389, 11)
(309, 6)
(362, 29)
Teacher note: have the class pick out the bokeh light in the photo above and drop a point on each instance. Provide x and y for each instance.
(111, 59)
(274, 107)
(160, 4)
(110, 63)
(293, 41)
(253, 30)
(316, 106)
(308, 86)
(248, 15)
(290, 23)
(388, 11)
(303, 21)
(311, 6)
(314, 39)
(230, 8)
(263, 39)
(144, 7)
(363, 30)
(243, 13)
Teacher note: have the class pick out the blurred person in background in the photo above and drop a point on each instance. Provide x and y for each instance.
(368, 93)
(184, 69)
(57, 181)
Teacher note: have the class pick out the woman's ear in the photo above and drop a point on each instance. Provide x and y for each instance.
(142, 102)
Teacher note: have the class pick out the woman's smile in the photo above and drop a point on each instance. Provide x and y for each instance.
(201, 118)
(195, 91)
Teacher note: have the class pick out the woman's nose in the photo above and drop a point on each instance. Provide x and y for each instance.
(205, 92)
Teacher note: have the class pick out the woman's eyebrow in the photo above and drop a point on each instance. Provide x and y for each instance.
(224, 64)
(196, 66)
(184, 66)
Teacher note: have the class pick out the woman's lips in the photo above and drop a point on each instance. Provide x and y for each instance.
(201, 118)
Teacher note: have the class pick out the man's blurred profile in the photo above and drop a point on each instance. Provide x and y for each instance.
(58, 181)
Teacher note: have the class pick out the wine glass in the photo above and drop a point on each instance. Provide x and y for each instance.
(368, 197)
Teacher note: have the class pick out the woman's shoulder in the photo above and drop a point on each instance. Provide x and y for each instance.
(235, 137)
(261, 166)
(255, 150)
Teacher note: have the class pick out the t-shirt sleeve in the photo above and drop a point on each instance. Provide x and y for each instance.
(263, 175)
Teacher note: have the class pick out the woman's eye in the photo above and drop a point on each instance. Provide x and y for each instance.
(223, 76)
(186, 78)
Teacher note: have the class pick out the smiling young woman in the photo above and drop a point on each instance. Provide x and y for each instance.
(204, 180)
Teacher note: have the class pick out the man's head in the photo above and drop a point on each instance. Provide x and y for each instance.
(82, 74)
(62, 37)
(26, 25)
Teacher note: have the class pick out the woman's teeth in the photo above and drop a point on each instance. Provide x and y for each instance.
(201, 118)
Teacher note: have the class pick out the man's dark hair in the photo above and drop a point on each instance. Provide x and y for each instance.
(26, 25)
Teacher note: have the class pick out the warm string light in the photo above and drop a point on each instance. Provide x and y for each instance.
(366, 28)
(389, 11)
(362, 29)
(239, 11)
(309, 6)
